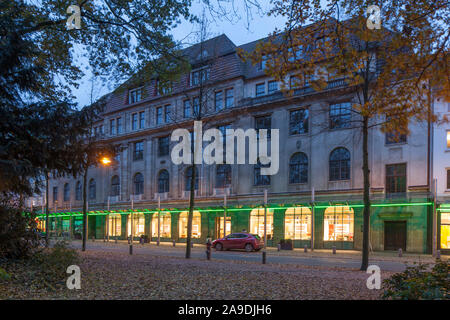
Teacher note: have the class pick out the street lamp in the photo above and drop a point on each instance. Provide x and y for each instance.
(106, 161)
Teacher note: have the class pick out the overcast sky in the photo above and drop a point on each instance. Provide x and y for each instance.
(237, 30)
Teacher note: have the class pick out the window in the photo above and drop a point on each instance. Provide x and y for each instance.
(164, 225)
(229, 98)
(338, 224)
(339, 164)
(163, 181)
(66, 193)
(448, 179)
(272, 87)
(188, 178)
(119, 126)
(297, 223)
(138, 222)
(142, 120)
(264, 122)
(298, 121)
(134, 95)
(115, 186)
(294, 82)
(115, 225)
(159, 115)
(167, 110)
(134, 121)
(448, 139)
(55, 194)
(163, 146)
(186, 108)
(92, 189)
(196, 224)
(196, 105)
(392, 138)
(263, 62)
(260, 89)
(223, 176)
(260, 180)
(199, 75)
(218, 99)
(112, 127)
(298, 168)
(138, 183)
(445, 230)
(138, 151)
(396, 178)
(340, 115)
(257, 222)
(78, 191)
(163, 88)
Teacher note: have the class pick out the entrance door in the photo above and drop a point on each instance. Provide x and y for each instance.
(219, 227)
(395, 235)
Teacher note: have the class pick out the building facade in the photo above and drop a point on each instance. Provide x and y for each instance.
(315, 199)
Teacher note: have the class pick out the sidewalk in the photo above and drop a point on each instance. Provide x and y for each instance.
(317, 253)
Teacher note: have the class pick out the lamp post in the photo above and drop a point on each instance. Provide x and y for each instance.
(224, 215)
(106, 161)
(265, 227)
(159, 220)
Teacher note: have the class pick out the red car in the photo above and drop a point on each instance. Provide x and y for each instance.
(240, 240)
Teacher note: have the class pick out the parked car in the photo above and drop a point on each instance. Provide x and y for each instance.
(240, 240)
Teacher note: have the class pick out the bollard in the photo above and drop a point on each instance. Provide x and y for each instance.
(306, 248)
(157, 242)
(438, 254)
(93, 239)
(192, 244)
(400, 252)
(115, 240)
(264, 257)
(334, 249)
(104, 239)
(173, 243)
(278, 247)
(131, 249)
(208, 249)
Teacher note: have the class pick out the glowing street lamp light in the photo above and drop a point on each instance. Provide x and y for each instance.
(105, 161)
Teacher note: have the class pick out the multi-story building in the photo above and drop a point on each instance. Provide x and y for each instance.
(314, 199)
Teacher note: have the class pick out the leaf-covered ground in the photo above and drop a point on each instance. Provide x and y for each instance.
(117, 275)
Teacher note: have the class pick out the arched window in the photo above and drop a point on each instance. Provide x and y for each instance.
(259, 179)
(164, 225)
(338, 223)
(298, 168)
(297, 223)
(339, 164)
(78, 191)
(92, 190)
(196, 224)
(138, 183)
(188, 177)
(115, 186)
(66, 192)
(257, 222)
(223, 176)
(163, 181)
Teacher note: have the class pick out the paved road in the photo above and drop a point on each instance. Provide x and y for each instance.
(199, 253)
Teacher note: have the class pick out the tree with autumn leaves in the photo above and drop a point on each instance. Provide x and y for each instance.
(393, 72)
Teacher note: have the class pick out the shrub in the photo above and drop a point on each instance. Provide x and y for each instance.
(18, 234)
(419, 282)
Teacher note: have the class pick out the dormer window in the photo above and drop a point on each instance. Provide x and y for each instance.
(199, 75)
(163, 88)
(134, 95)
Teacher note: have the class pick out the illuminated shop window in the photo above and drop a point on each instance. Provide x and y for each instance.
(115, 225)
(338, 224)
(138, 224)
(164, 225)
(196, 224)
(219, 227)
(297, 223)
(445, 230)
(41, 225)
(66, 225)
(257, 222)
(448, 139)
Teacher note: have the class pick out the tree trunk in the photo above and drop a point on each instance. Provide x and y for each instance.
(47, 178)
(191, 211)
(83, 247)
(366, 181)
